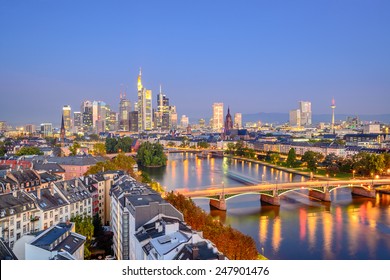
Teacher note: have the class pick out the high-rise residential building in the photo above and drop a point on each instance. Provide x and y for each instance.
(47, 129)
(305, 107)
(77, 121)
(124, 110)
(295, 117)
(238, 120)
(66, 112)
(218, 117)
(145, 113)
(184, 121)
(30, 129)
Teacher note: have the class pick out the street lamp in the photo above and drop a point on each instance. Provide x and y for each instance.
(353, 174)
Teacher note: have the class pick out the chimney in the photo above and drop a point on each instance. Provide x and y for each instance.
(86, 180)
(39, 193)
(65, 186)
(195, 252)
(52, 189)
(15, 194)
(76, 182)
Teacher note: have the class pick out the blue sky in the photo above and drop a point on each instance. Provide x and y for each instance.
(256, 56)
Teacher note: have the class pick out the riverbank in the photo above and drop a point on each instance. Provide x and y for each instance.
(286, 169)
(385, 189)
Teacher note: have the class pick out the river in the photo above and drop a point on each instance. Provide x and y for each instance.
(350, 227)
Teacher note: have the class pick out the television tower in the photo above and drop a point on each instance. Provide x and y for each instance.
(333, 106)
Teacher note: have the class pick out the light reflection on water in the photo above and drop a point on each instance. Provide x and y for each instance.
(301, 228)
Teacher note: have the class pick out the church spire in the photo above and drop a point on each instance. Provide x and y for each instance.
(62, 131)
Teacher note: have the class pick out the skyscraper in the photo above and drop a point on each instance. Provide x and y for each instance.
(66, 112)
(184, 121)
(237, 120)
(144, 104)
(77, 121)
(217, 117)
(47, 129)
(305, 107)
(86, 111)
(124, 110)
(295, 117)
(162, 113)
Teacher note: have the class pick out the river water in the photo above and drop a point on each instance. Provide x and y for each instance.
(349, 227)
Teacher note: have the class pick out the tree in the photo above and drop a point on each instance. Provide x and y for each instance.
(275, 158)
(171, 144)
(203, 145)
(111, 145)
(3, 150)
(312, 158)
(97, 225)
(330, 159)
(99, 149)
(84, 226)
(151, 155)
(120, 162)
(74, 148)
(231, 148)
(124, 144)
(291, 158)
(29, 151)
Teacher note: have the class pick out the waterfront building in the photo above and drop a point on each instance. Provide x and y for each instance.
(217, 117)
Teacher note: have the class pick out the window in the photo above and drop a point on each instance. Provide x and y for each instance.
(51, 214)
(24, 217)
(11, 233)
(51, 223)
(81, 208)
(45, 226)
(66, 209)
(61, 211)
(18, 215)
(18, 236)
(85, 203)
(11, 221)
(56, 218)
(24, 229)
(45, 215)
(18, 225)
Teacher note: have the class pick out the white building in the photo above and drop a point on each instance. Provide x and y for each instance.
(305, 108)
(218, 117)
(295, 117)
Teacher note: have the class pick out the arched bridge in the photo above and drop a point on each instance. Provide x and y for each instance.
(270, 193)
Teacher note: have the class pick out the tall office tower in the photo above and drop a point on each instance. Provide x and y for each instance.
(162, 109)
(77, 121)
(217, 117)
(124, 110)
(333, 106)
(172, 118)
(238, 120)
(66, 112)
(295, 117)
(145, 114)
(133, 121)
(202, 123)
(184, 121)
(228, 122)
(30, 129)
(113, 121)
(47, 129)
(87, 112)
(305, 107)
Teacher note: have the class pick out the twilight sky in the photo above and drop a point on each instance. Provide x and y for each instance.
(256, 56)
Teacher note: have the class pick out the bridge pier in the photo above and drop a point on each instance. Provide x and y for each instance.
(272, 200)
(364, 192)
(324, 196)
(219, 204)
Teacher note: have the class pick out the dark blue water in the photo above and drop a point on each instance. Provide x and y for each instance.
(350, 227)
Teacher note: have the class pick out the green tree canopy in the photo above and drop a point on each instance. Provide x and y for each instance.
(150, 154)
(29, 151)
(111, 145)
(99, 149)
(120, 162)
(84, 226)
(291, 158)
(74, 148)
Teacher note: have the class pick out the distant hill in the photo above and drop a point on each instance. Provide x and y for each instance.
(281, 118)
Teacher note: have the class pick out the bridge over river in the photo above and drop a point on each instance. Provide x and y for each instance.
(271, 192)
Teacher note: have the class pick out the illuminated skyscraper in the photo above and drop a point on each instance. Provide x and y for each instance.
(144, 104)
(237, 120)
(218, 117)
(124, 110)
(66, 112)
(295, 117)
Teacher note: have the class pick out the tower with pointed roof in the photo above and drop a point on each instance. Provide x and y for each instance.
(228, 123)
(62, 131)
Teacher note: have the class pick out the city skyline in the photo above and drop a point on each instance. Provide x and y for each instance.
(248, 55)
